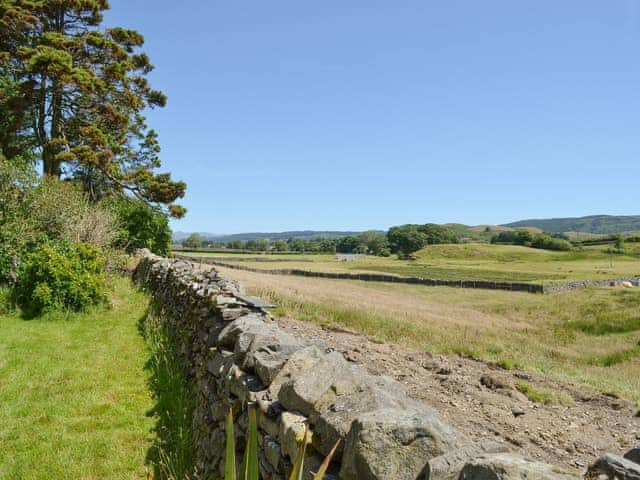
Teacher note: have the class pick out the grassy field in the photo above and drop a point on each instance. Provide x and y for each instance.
(587, 337)
(473, 261)
(74, 398)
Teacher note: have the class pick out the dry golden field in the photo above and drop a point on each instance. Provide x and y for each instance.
(587, 336)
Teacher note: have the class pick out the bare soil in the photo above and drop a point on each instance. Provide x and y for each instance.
(481, 400)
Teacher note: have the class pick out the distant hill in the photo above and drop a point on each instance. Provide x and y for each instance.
(598, 224)
(303, 235)
(594, 224)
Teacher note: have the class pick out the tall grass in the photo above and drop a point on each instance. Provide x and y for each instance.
(586, 336)
(172, 453)
(6, 301)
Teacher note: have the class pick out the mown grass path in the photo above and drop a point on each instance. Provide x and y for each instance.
(74, 399)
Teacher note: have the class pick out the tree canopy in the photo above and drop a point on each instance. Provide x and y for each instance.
(72, 96)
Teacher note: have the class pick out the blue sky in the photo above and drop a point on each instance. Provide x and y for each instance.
(288, 115)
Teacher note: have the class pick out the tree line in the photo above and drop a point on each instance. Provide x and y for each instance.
(402, 240)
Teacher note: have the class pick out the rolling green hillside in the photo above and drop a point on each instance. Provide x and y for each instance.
(600, 224)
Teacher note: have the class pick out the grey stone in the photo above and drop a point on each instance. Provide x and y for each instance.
(215, 365)
(395, 444)
(350, 396)
(308, 392)
(292, 427)
(449, 465)
(301, 361)
(266, 350)
(242, 386)
(231, 314)
(633, 455)
(259, 334)
(272, 451)
(612, 467)
(268, 424)
(228, 335)
(504, 466)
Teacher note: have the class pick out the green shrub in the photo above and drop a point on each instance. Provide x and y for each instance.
(142, 227)
(61, 276)
(6, 301)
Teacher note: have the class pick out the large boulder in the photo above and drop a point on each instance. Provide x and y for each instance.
(449, 465)
(333, 393)
(504, 466)
(633, 455)
(299, 363)
(395, 443)
(610, 466)
(312, 389)
(227, 337)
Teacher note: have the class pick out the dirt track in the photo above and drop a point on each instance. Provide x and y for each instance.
(481, 400)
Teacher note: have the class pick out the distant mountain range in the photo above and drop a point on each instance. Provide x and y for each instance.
(303, 234)
(599, 224)
(596, 224)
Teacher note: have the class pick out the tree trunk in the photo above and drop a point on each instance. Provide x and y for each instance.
(50, 165)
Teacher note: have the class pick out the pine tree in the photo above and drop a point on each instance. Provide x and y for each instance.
(75, 94)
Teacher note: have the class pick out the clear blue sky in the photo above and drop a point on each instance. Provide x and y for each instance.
(365, 114)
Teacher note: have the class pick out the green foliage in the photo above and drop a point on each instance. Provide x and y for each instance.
(172, 452)
(407, 239)
(15, 226)
(525, 238)
(536, 395)
(34, 212)
(257, 245)
(547, 242)
(297, 471)
(230, 450)
(600, 224)
(280, 246)
(6, 301)
(614, 358)
(140, 226)
(347, 244)
(618, 243)
(192, 241)
(61, 276)
(249, 469)
(599, 319)
(74, 94)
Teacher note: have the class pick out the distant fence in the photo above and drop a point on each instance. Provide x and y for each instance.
(377, 277)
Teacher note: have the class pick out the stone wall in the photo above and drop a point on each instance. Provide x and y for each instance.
(234, 354)
(377, 277)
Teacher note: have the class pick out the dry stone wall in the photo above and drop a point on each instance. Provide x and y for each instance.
(234, 355)
(377, 277)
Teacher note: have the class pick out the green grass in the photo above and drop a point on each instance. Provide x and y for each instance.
(614, 358)
(74, 399)
(172, 452)
(544, 395)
